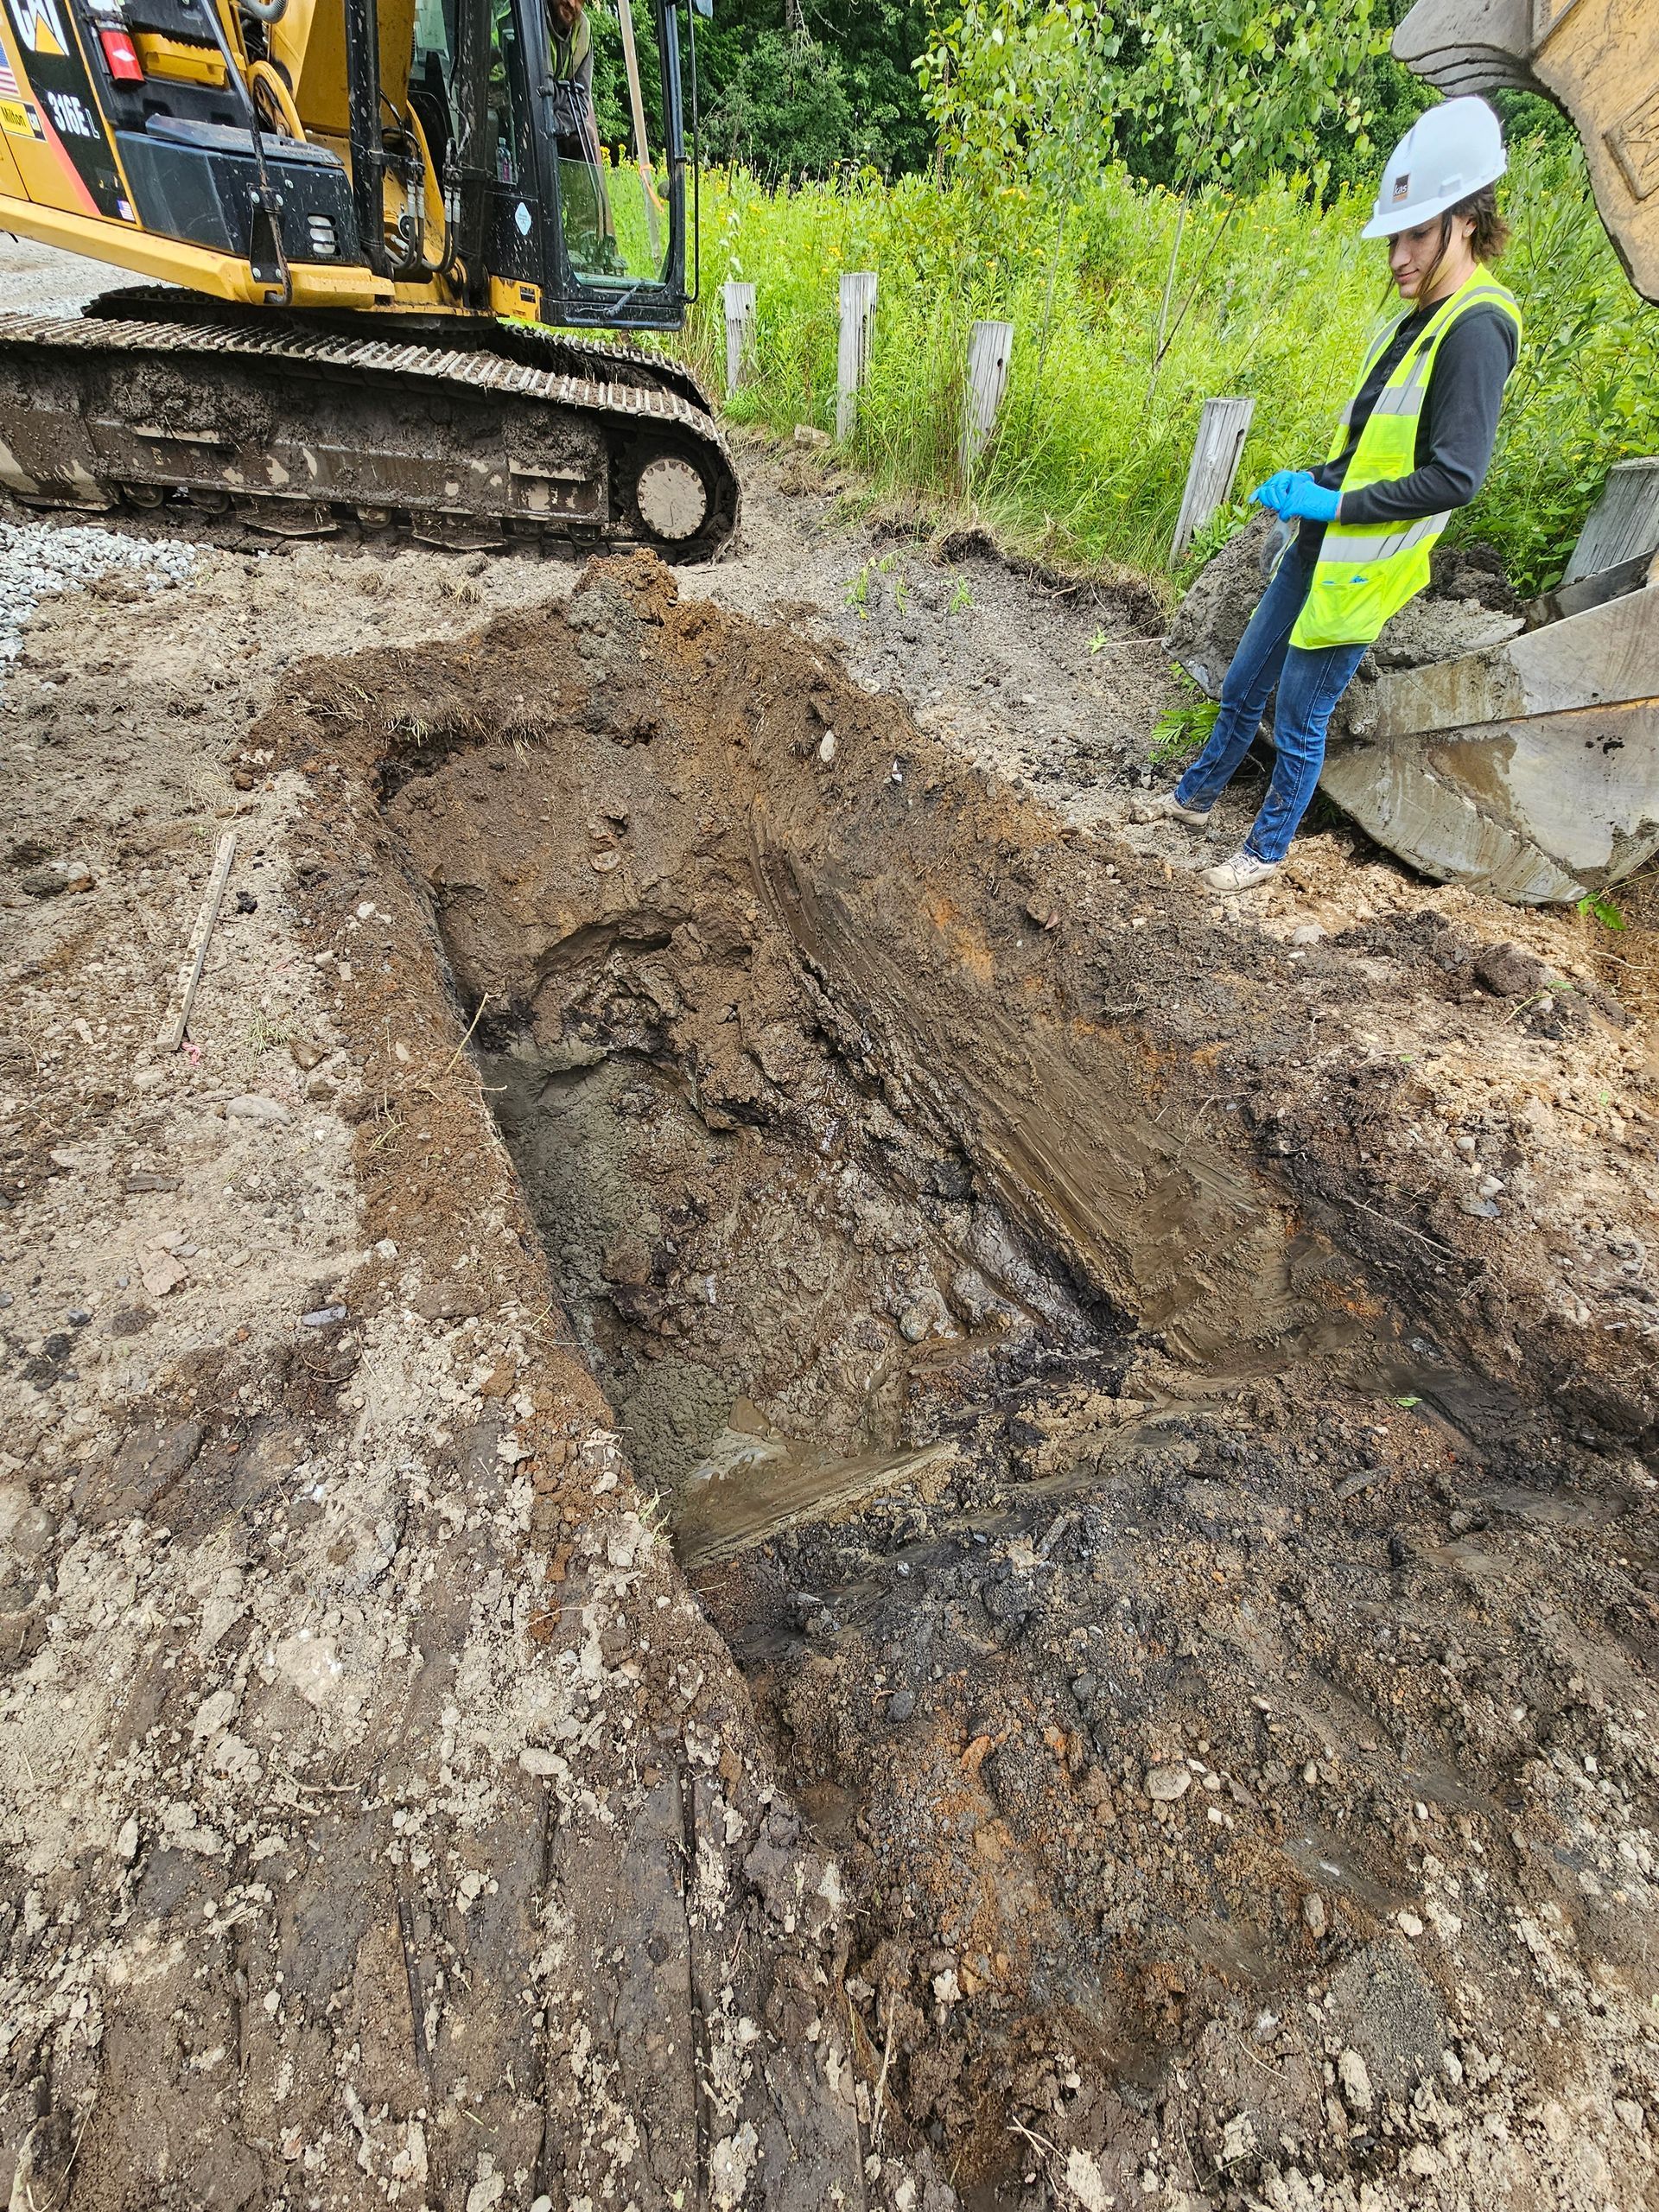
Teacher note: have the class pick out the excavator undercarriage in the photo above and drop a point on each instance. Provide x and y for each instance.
(289, 427)
(372, 220)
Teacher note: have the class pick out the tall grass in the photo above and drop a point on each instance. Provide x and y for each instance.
(1090, 458)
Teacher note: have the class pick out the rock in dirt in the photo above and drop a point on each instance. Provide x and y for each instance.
(1211, 619)
(1165, 1784)
(1354, 2079)
(1510, 971)
(162, 1276)
(257, 1107)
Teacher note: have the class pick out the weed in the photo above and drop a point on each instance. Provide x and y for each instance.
(961, 597)
(1601, 906)
(889, 566)
(1184, 729)
(1221, 529)
(860, 589)
(266, 1034)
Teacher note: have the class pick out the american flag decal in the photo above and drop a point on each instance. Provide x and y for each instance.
(7, 78)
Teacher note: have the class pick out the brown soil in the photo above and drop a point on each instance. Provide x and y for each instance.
(1182, 1536)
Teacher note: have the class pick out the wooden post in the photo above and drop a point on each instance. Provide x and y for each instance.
(853, 355)
(740, 321)
(1223, 426)
(1624, 525)
(195, 956)
(989, 348)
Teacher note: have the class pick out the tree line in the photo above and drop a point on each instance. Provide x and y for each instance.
(1183, 93)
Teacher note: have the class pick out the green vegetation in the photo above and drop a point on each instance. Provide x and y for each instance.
(1602, 906)
(1182, 731)
(1091, 452)
(792, 90)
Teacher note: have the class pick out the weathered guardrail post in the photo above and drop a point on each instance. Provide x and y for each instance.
(990, 346)
(738, 302)
(853, 354)
(1623, 523)
(1223, 426)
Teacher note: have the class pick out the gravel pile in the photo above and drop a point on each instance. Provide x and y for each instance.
(39, 558)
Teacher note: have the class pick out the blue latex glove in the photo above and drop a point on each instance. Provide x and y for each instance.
(1273, 491)
(1306, 501)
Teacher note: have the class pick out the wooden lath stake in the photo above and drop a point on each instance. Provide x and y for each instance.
(196, 957)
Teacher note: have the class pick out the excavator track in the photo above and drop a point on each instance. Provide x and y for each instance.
(289, 428)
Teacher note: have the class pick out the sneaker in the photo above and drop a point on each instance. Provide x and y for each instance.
(1166, 807)
(1242, 873)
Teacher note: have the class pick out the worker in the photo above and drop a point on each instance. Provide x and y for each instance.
(1414, 444)
(590, 232)
(570, 61)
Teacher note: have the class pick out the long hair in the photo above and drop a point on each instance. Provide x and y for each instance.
(1491, 231)
(1490, 235)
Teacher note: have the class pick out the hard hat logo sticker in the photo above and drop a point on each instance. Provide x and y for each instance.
(1402, 189)
(40, 27)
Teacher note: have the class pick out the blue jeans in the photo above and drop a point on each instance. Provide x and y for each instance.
(1309, 686)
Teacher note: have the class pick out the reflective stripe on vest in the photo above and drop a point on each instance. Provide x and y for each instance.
(1366, 572)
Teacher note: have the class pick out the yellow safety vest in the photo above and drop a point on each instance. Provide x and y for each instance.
(1367, 571)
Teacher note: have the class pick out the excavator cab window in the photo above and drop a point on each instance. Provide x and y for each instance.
(509, 128)
(607, 112)
(613, 142)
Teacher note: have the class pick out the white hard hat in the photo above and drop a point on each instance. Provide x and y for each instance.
(1449, 152)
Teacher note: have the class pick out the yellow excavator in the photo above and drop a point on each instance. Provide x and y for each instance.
(359, 218)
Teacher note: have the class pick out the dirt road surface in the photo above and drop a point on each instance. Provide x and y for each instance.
(772, 1477)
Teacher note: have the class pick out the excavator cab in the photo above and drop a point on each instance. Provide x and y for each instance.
(605, 235)
(420, 158)
(564, 157)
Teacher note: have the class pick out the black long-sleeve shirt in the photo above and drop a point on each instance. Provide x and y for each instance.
(1456, 430)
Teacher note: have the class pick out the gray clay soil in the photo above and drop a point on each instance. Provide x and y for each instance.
(772, 1477)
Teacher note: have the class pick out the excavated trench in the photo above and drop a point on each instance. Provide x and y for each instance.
(792, 1313)
(1028, 1441)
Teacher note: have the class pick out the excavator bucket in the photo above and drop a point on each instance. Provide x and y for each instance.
(1529, 770)
(1597, 59)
